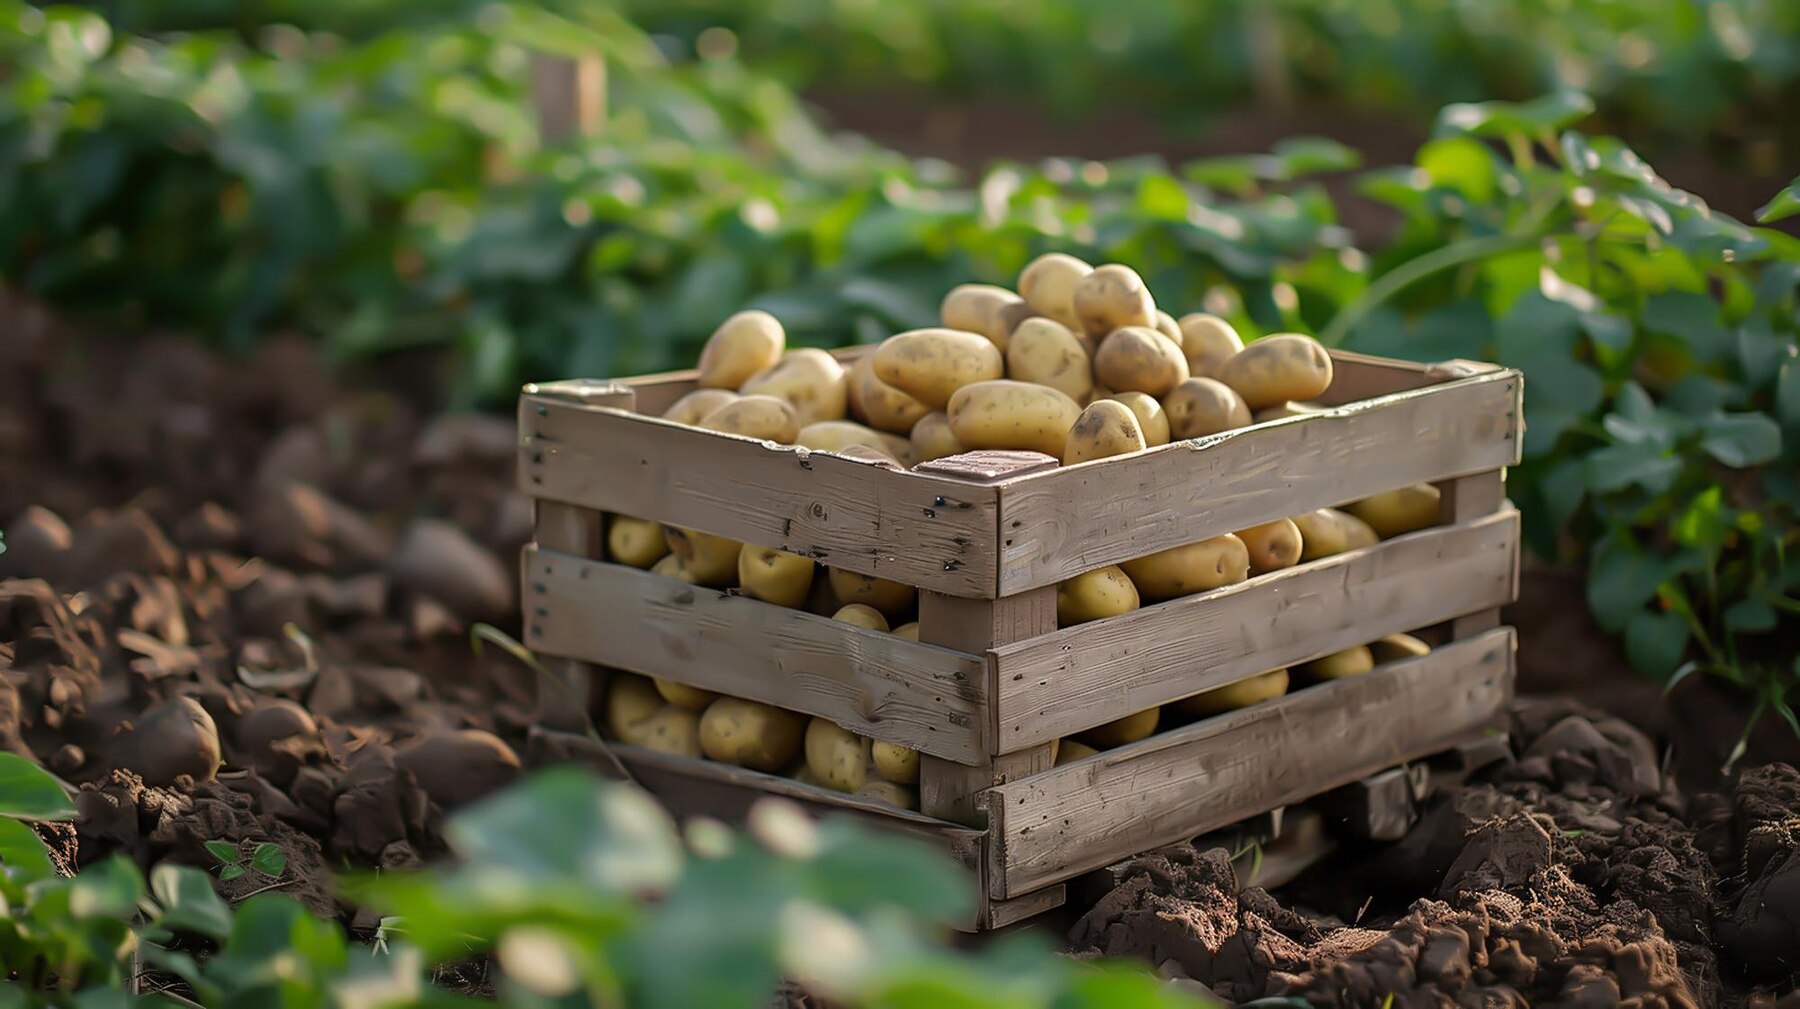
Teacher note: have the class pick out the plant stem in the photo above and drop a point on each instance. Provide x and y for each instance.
(1414, 270)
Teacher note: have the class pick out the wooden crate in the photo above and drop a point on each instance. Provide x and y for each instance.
(992, 683)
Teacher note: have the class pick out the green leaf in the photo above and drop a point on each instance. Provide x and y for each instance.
(857, 870)
(1617, 467)
(1621, 580)
(224, 851)
(1462, 164)
(565, 825)
(109, 888)
(1307, 155)
(1787, 393)
(1530, 119)
(231, 872)
(1703, 522)
(1741, 439)
(22, 850)
(1783, 205)
(269, 860)
(28, 792)
(188, 901)
(1750, 615)
(1655, 643)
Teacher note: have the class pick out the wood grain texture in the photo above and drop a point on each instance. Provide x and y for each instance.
(1001, 913)
(1083, 676)
(1466, 498)
(1056, 825)
(1058, 524)
(1357, 377)
(567, 695)
(925, 531)
(931, 699)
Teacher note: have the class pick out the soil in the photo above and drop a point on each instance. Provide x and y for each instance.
(235, 607)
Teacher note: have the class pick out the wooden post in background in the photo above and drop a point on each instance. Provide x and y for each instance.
(569, 95)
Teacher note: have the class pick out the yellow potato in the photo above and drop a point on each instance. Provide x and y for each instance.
(1135, 359)
(670, 567)
(1129, 729)
(898, 448)
(837, 757)
(1048, 285)
(683, 696)
(1202, 406)
(977, 308)
(931, 364)
(748, 734)
(891, 598)
(635, 542)
(1327, 532)
(1167, 326)
(1003, 414)
(838, 435)
(1283, 410)
(1275, 369)
(743, 345)
(1045, 352)
(890, 793)
(1151, 418)
(894, 762)
(1395, 647)
(1398, 512)
(1113, 297)
(694, 407)
(705, 559)
(671, 729)
(768, 417)
(1105, 429)
(862, 615)
(1012, 315)
(774, 576)
(812, 381)
(1255, 690)
(1091, 595)
(933, 439)
(877, 404)
(876, 455)
(1207, 341)
(629, 700)
(804, 775)
(1272, 545)
(1069, 751)
(1338, 665)
(908, 631)
(1194, 567)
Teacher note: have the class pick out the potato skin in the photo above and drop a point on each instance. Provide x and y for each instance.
(890, 597)
(1045, 352)
(1136, 359)
(838, 435)
(1398, 512)
(894, 762)
(877, 404)
(1272, 545)
(812, 381)
(837, 757)
(748, 734)
(1114, 297)
(671, 729)
(1276, 369)
(705, 559)
(1283, 410)
(629, 700)
(1069, 751)
(1338, 665)
(1003, 414)
(1048, 286)
(1202, 406)
(1326, 532)
(774, 576)
(1167, 326)
(903, 796)
(978, 308)
(1207, 342)
(1104, 429)
(1153, 421)
(908, 631)
(930, 365)
(1395, 647)
(1193, 567)
(1120, 731)
(862, 615)
(693, 407)
(743, 345)
(683, 696)
(1232, 696)
(634, 542)
(933, 439)
(1093, 595)
(670, 567)
(767, 417)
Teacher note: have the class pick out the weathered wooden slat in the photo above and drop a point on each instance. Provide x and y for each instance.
(1079, 677)
(1001, 913)
(931, 532)
(1058, 524)
(1048, 828)
(567, 695)
(1358, 376)
(918, 695)
(1463, 499)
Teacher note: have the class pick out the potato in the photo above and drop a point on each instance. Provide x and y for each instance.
(976, 308)
(1398, 512)
(705, 559)
(1135, 359)
(672, 729)
(1338, 665)
(894, 762)
(1003, 414)
(683, 696)
(1167, 326)
(1284, 410)
(837, 757)
(821, 600)
(1207, 342)
(1091, 595)
(1045, 352)
(670, 567)
(1327, 532)
(693, 407)
(838, 435)
(1272, 545)
(891, 598)
(1114, 297)
(743, 345)
(768, 417)
(908, 631)
(1048, 285)
(1105, 429)
(862, 615)
(1278, 368)
(635, 542)
(1194, 567)
(930, 365)
(1013, 314)
(748, 734)
(877, 404)
(890, 793)
(1202, 406)
(774, 576)
(1232, 696)
(804, 775)
(812, 381)
(1395, 647)
(629, 700)
(933, 439)
(1151, 418)
(1069, 751)
(1120, 731)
